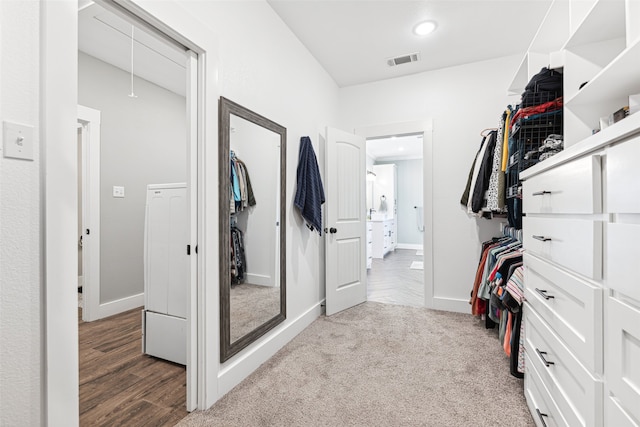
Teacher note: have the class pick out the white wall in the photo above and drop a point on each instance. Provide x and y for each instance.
(20, 221)
(265, 68)
(462, 101)
(143, 141)
(409, 194)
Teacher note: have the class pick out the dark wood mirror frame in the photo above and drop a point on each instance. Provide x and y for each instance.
(226, 109)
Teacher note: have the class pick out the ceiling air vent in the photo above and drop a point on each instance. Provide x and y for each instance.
(404, 59)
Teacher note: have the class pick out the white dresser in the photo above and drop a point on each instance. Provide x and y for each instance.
(581, 234)
(582, 223)
(383, 237)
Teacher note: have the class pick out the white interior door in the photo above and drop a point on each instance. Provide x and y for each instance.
(89, 170)
(345, 233)
(192, 197)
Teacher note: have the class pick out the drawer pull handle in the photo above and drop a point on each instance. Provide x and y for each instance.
(542, 238)
(541, 416)
(545, 361)
(541, 193)
(543, 294)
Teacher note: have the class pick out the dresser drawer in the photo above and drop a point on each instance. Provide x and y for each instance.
(543, 408)
(573, 243)
(572, 387)
(615, 415)
(622, 354)
(571, 307)
(623, 175)
(571, 188)
(623, 258)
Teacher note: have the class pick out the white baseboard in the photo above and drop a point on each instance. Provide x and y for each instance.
(118, 306)
(451, 304)
(259, 279)
(243, 364)
(416, 246)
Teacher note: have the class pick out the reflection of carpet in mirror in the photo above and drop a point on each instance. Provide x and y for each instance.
(251, 306)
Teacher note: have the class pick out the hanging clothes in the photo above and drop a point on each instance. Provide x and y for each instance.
(496, 191)
(498, 294)
(505, 135)
(483, 172)
(464, 200)
(309, 190)
(473, 197)
(241, 192)
(238, 260)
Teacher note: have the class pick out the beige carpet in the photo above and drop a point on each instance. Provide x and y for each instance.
(379, 365)
(251, 306)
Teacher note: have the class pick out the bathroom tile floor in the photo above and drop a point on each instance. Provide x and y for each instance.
(392, 281)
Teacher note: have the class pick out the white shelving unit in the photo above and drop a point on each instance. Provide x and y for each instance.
(601, 53)
(598, 54)
(549, 39)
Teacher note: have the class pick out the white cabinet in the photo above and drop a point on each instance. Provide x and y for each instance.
(570, 306)
(623, 356)
(582, 226)
(369, 244)
(165, 273)
(582, 293)
(622, 255)
(383, 237)
(563, 310)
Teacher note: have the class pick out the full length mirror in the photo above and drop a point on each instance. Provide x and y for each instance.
(252, 166)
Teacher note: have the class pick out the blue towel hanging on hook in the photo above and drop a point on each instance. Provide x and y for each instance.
(309, 190)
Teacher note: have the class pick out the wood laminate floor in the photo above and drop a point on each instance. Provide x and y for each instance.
(391, 281)
(119, 386)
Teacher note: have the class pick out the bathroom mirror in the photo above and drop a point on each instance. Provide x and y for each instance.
(252, 165)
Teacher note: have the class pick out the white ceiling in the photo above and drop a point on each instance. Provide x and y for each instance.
(352, 39)
(402, 147)
(107, 37)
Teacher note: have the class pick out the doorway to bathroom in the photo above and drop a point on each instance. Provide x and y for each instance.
(395, 219)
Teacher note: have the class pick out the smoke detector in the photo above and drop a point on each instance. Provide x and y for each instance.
(403, 59)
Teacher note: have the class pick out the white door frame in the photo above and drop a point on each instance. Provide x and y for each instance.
(426, 128)
(89, 119)
(59, 27)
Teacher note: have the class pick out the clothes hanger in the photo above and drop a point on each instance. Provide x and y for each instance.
(482, 133)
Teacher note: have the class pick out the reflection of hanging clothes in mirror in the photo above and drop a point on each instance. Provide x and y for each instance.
(383, 204)
(238, 261)
(241, 195)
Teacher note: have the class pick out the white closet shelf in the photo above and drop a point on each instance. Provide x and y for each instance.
(531, 63)
(553, 31)
(619, 79)
(549, 38)
(604, 21)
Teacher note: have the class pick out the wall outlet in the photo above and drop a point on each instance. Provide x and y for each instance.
(118, 191)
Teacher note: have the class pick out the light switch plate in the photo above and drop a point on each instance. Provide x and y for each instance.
(118, 191)
(18, 141)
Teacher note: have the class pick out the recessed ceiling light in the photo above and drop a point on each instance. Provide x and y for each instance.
(424, 28)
